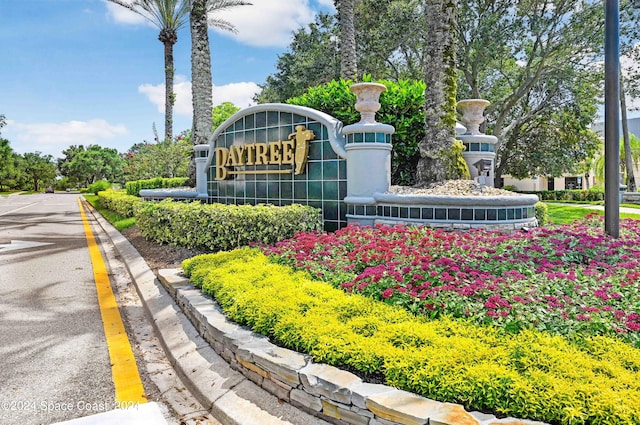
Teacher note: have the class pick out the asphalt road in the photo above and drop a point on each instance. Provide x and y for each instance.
(54, 361)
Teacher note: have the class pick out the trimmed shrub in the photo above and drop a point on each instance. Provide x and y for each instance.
(402, 106)
(531, 374)
(221, 227)
(542, 213)
(134, 187)
(118, 201)
(594, 194)
(98, 186)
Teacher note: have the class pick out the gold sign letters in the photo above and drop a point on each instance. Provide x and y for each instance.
(293, 151)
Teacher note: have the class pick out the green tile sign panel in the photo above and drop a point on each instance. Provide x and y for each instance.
(322, 184)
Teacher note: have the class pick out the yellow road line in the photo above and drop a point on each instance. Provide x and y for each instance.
(124, 370)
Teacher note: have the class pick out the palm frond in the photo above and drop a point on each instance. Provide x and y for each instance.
(163, 14)
(214, 6)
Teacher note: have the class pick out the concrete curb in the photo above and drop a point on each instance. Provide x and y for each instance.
(228, 395)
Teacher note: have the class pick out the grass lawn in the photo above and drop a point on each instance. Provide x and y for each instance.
(565, 214)
(118, 221)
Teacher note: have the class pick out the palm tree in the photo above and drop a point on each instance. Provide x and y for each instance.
(628, 155)
(348, 60)
(633, 158)
(440, 96)
(201, 84)
(169, 16)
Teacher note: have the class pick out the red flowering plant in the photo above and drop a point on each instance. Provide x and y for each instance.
(562, 279)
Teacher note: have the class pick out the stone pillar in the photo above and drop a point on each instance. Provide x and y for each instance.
(368, 147)
(480, 153)
(201, 153)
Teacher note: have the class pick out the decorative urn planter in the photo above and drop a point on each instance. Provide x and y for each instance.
(367, 100)
(480, 148)
(472, 114)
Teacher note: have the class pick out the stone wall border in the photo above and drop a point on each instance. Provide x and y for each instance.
(321, 390)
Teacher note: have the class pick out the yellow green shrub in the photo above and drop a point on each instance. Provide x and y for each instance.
(133, 188)
(531, 374)
(216, 227)
(118, 201)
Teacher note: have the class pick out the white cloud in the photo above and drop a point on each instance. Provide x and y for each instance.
(240, 94)
(122, 15)
(70, 132)
(268, 22)
(52, 138)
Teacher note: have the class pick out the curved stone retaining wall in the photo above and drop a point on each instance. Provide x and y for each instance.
(324, 391)
(507, 213)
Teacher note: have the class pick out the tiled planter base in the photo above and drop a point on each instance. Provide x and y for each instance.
(325, 391)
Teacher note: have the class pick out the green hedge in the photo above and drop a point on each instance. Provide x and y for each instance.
(221, 227)
(570, 195)
(530, 375)
(542, 213)
(98, 186)
(134, 187)
(118, 201)
(402, 106)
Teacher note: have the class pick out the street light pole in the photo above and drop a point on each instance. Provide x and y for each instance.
(612, 118)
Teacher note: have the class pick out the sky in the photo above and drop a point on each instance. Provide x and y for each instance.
(81, 72)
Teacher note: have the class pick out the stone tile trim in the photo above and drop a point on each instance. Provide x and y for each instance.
(324, 391)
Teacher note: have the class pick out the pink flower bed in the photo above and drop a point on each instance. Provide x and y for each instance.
(563, 279)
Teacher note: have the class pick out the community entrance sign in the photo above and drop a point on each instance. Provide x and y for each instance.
(283, 154)
(280, 154)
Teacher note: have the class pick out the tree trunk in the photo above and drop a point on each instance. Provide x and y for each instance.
(201, 84)
(348, 59)
(497, 176)
(440, 94)
(628, 157)
(169, 97)
(586, 181)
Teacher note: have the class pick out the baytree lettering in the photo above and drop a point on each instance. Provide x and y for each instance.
(293, 152)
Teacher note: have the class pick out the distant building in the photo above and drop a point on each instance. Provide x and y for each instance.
(569, 181)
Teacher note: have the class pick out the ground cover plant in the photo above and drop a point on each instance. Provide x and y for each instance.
(571, 280)
(530, 374)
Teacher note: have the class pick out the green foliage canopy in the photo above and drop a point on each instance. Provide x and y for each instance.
(221, 112)
(536, 61)
(167, 158)
(402, 105)
(39, 168)
(313, 59)
(85, 166)
(8, 163)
